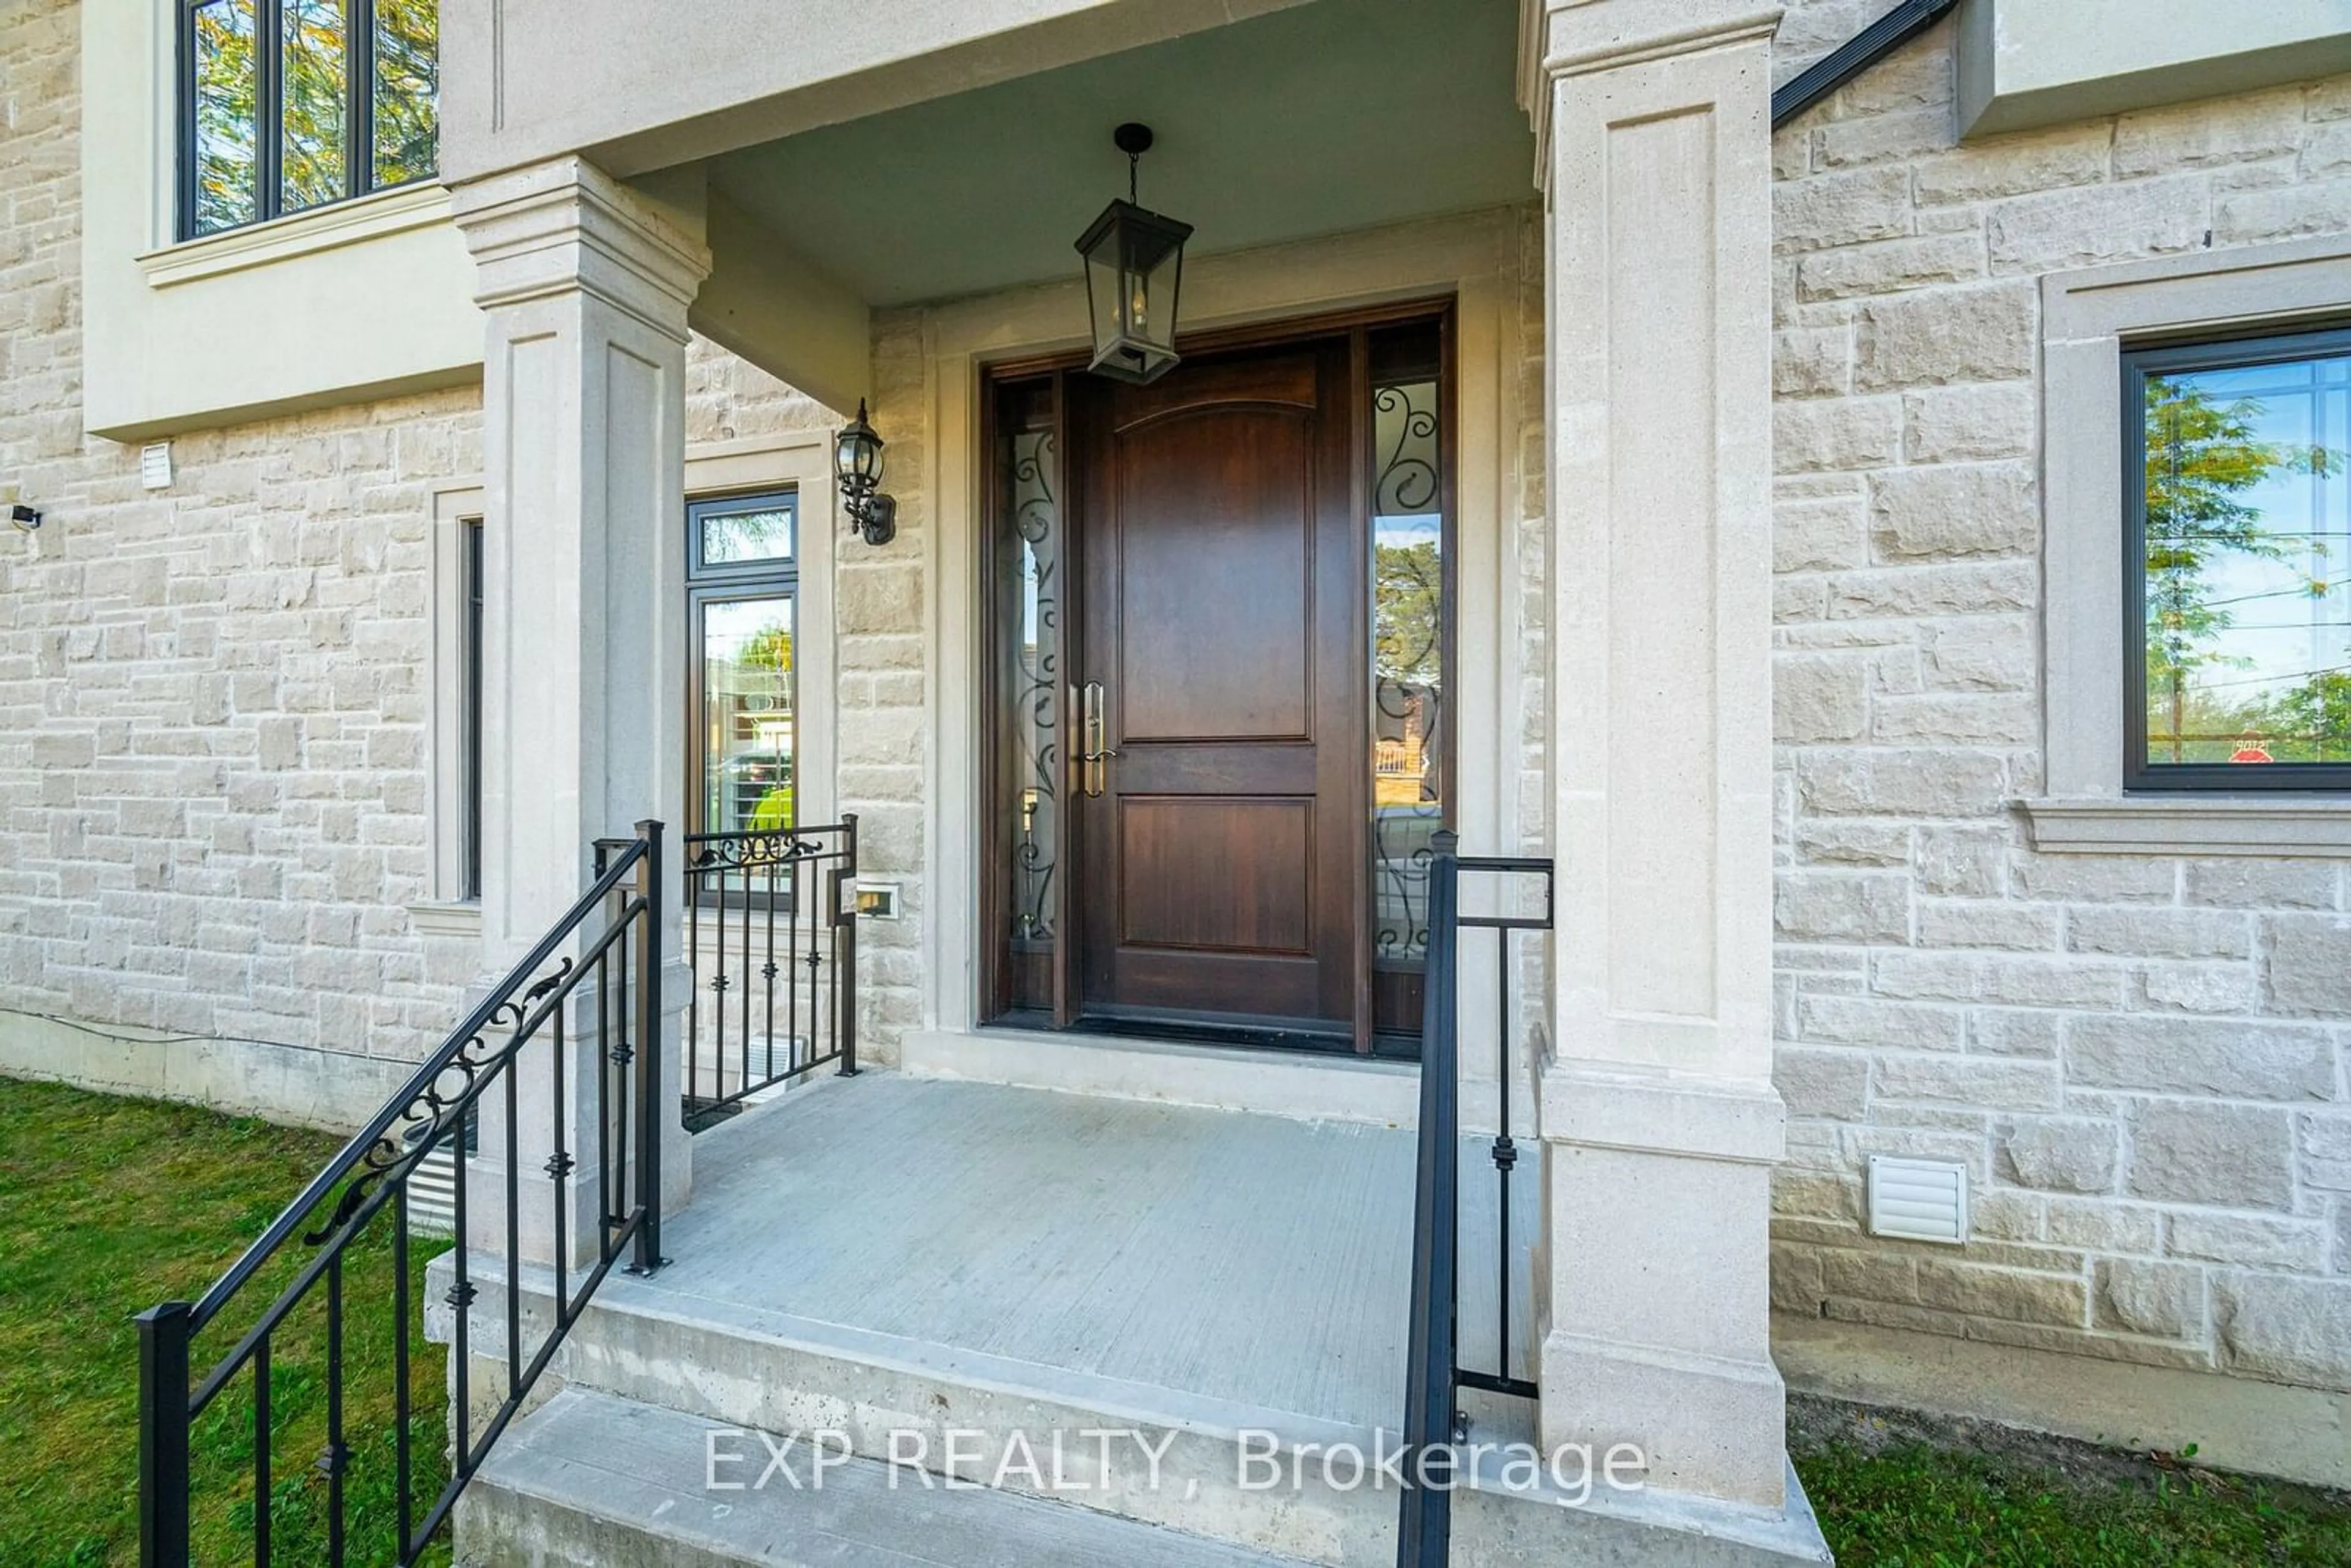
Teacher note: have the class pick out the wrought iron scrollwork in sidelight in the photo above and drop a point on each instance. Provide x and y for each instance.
(1405, 417)
(1408, 659)
(1035, 707)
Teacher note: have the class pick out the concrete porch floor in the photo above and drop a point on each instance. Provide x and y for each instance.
(890, 1255)
(1237, 1267)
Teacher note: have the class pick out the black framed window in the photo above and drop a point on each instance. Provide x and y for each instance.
(286, 105)
(742, 613)
(2237, 563)
(469, 789)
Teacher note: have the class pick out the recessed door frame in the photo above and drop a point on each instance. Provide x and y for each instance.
(1047, 378)
(1479, 259)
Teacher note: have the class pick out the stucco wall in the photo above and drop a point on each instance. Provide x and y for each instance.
(2138, 1058)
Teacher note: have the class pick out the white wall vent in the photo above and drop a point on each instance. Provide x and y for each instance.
(431, 1193)
(1918, 1200)
(155, 465)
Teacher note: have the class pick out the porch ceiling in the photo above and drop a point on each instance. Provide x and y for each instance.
(1336, 115)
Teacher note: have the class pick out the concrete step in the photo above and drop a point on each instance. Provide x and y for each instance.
(1172, 1458)
(588, 1480)
(1150, 1457)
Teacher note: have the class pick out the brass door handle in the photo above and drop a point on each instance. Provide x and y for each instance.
(1094, 777)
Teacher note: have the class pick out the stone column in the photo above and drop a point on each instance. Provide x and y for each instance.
(1657, 1105)
(585, 284)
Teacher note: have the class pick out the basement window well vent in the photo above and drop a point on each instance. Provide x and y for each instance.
(1918, 1200)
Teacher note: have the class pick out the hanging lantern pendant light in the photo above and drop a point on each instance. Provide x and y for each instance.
(1134, 267)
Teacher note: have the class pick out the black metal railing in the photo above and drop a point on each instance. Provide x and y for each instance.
(1433, 1421)
(773, 942)
(333, 1336)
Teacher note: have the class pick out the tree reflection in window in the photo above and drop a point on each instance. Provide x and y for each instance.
(316, 93)
(2244, 549)
(1407, 664)
(222, 108)
(273, 91)
(407, 118)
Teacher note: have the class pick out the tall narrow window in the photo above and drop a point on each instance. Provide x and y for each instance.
(1409, 685)
(743, 579)
(1026, 573)
(284, 105)
(222, 155)
(405, 126)
(314, 102)
(469, 822)
(2239, 551)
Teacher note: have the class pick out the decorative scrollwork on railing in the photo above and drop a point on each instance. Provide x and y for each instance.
(439, 1108)
(754, 851)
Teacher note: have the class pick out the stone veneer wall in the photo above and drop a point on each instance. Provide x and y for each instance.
(2140, 1059)
(213, 699)
(212, 720)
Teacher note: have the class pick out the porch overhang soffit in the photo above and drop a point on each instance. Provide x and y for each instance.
(640, 88)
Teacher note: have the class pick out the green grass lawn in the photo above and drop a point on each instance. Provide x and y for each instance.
(1894, 1491)
(109, 1206)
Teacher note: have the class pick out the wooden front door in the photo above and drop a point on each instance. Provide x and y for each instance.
(1219, 850)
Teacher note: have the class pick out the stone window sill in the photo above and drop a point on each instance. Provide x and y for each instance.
(445, 919)
(2270, 826)
(304, 234)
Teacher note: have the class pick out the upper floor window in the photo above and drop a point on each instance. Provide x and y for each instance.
(2238, 563)
(289, 104)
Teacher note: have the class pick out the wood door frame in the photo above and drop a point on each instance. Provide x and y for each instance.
(994, 838)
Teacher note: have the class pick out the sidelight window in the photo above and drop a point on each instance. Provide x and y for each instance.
(1026, 576)
(1410, 647)
(286, 105)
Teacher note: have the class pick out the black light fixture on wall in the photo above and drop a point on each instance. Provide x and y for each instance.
(857, 465)
(1135, 267)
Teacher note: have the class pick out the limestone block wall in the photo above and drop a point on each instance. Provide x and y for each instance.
(214, 698)
(883, 619)
(211, 698)
(2139, 1059)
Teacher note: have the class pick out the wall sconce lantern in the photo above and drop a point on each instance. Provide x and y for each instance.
(1134, 266)
(857, 465)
